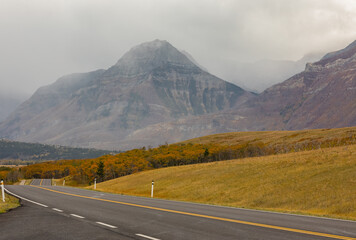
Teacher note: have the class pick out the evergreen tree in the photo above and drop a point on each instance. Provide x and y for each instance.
(206, 153)
(100, 171)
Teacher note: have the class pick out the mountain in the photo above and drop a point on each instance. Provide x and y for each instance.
(190, 57)
(156, 94)
(321, 96)
(336, 53)
(152, 83)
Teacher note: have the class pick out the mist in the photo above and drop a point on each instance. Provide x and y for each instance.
(44, 40)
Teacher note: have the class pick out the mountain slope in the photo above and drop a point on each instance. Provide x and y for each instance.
(322, 96)
(151, 83)
(336, 53)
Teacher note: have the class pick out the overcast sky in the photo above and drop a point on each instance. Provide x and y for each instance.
(43, 40)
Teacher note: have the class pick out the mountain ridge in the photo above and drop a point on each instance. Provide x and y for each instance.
(151, 83)
(319, 97)
(341, 51)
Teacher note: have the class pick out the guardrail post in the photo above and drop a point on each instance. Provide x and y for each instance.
(2, 190)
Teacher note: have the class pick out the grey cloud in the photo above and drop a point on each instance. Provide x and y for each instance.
(43, 40)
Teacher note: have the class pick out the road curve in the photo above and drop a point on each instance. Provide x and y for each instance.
(41, 182)
(129, 217)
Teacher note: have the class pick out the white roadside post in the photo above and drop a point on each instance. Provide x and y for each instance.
(95, 184)
(64, 182)
(152, 189)
(2, 190)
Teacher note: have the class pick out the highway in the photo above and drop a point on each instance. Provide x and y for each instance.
(41, 182)
(56, 212)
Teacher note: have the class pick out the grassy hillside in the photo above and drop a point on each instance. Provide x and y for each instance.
(319, 182)
(300, 138)
(206, 149)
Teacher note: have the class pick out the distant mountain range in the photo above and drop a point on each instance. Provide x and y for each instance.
(156, 93)
(19, 152)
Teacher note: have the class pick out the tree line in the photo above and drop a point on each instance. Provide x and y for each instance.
(112, 166)
(13, 151)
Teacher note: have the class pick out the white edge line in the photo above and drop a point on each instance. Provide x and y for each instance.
(144, 236)
(107, 225)
(220, 206)
(56, 209)
(211, 205)
(28, 200)
(77, 216)
(237, 208)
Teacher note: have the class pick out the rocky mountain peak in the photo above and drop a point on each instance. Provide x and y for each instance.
(150, 55)
(151, 84)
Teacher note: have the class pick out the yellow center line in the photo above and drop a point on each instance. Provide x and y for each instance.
(41, 182)
(209, 217)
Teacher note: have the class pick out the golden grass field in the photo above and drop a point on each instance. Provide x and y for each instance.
(275, 137)
(318, 182)
(10, 202)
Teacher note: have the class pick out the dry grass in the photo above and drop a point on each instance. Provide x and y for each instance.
(10, 203)
(68, 182)
(319, 182)
(59, 182)
(275, 137)
(28, 181)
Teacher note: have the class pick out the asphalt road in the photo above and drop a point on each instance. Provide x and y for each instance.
(71, 213)
(41, 182)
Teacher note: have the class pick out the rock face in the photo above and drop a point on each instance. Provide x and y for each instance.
(322, 96)
(150, 84)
